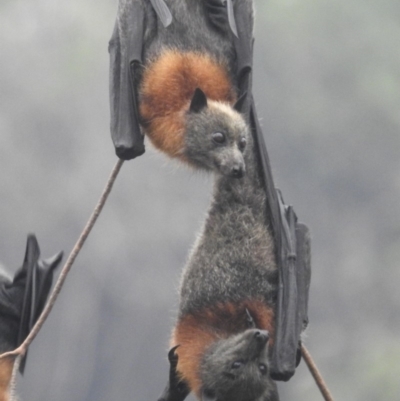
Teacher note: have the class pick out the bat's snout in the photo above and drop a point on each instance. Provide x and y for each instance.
(261, 336)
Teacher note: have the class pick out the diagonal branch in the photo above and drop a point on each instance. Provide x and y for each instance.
(319, 380)
(21, 350)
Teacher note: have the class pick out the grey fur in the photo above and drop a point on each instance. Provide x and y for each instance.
(200, 148)
(233, 258)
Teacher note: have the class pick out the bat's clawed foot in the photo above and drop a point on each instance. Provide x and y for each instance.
(176, 389)
(128, 152)
(173, 357)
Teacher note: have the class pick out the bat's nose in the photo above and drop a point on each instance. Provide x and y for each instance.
(261, 336)
(237, 171)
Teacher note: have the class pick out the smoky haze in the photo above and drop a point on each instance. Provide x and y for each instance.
(327, 88)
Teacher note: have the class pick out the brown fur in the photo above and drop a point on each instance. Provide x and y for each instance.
(168, 84)
(6, 367)
(194, 333)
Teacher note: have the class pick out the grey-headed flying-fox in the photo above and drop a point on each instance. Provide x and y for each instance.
(187, 91)
(155, 71)
(182, 83)
(187, 95)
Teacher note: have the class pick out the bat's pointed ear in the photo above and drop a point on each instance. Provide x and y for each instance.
(250, 320)
(199, 101)
(240, 102)
(208, 395)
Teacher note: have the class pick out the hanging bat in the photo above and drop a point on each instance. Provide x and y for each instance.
(23, 298)
(181, 74)
(157, 64)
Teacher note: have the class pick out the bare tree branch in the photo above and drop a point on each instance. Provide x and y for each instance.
(316, 374)
(21, 350)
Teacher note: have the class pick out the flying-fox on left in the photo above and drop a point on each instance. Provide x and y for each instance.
(22, 300)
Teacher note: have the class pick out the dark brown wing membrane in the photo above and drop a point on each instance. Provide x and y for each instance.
(293, 258)
(22, 300)
(125, 48)
(39, 277)
(291, 239)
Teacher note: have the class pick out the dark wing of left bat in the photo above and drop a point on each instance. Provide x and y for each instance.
(23, 299)
(292, 241)
(126, 48)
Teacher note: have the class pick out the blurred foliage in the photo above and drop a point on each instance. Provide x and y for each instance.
(380, 372)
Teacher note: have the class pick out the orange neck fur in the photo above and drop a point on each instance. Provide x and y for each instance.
(167, 87)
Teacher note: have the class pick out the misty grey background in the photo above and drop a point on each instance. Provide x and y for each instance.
(327, 86)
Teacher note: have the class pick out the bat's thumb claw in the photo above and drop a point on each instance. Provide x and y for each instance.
(128, 152)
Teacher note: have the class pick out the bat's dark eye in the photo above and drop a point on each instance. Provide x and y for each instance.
(263, 368)
(218, 137)
(242, 143)
(237, 364)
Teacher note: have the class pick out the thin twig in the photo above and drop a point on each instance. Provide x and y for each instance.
(316, 374)
(21, 350)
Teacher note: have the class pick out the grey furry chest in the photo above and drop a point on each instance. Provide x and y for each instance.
(233, 259)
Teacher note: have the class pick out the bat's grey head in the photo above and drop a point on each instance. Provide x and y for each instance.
(216, 136)
(236, 369)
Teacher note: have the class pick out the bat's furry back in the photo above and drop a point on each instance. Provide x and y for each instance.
(190, 54)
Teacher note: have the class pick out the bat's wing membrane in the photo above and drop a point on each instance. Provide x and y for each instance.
(291, 239)
(27, 275)
(36, 276)
(240, 15)
(125, 48)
